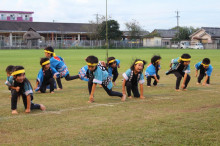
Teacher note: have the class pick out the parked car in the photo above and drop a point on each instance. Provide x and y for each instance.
(184, 44)
(197, 46)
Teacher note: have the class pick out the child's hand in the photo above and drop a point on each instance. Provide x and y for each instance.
(17, 89)
(203, 83)
(182, 86)
(54, 76)
(91, 99)
(27, 111)
(196, 74)
(157, 81)
(142, 97)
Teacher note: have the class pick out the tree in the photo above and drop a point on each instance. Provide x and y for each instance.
(184, 33)
(113, 30)
(135, 29)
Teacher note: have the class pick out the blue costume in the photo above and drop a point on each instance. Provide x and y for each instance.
(58, 63)
(150, 72)
(83, 73)
(110, 69)
(204, 72)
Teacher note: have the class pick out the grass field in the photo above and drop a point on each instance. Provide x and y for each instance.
(165, 117)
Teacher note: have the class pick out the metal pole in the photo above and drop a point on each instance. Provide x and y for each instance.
(106, 30)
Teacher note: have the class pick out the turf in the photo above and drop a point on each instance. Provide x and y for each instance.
(165, 117)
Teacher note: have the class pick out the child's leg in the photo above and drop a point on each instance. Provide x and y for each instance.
(155, 82)
(179, 77)
(59, 83)
(43, 87)
(33, 106)
(201, 76)
(135, 91)
(148, 80)
(128, 88)
(90, 83)
(51, 82)
(112, 93)
(14, 99)
(115, 74)
(69, 78)
(187, 81)
(208, 81)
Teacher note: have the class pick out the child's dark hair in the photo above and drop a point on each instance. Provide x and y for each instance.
(206, 61)
(186, 56)
(132, 66)
(16, 68)
(9, 69)
(42, 60)
(154, 59)
(92, 59)
(109, 59)
(50, 49)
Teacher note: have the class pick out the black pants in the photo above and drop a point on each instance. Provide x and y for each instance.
(109, 91)
(179, 78)
(115, 74)
(45, 83)
(133, 88)
(68, 78)
(14, 100)
(149, 80)
(201, 76)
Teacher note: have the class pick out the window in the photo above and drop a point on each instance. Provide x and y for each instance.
(26, 18)
(12, 17)
(3, 17)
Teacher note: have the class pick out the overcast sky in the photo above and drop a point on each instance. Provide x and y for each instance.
(151, 14)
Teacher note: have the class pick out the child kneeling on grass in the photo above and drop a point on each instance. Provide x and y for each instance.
(180, 67)
(132, 77)
(20, 86)
(99, 76)
(113, 65)
(46, 76)
(205, 71)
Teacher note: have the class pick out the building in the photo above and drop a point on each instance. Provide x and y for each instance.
(159, 38)
(17, 16)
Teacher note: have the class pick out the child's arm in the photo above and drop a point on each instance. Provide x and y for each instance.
(155, 77)
(123, 86)
(118, 65)
(91, 97)
(205, 81)
(142, 91)
(184, 80)
(196, 73)
(28, 109)
(15, 88)
(37, 83)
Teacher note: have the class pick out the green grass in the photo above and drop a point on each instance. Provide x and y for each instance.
(165, 117)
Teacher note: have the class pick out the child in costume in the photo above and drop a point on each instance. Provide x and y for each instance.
(46, 76)
(205, 71)
(132, 77)
(152, 70)
(113, 65)
(180, 67)
(99, 76)
(20, 86)
(57, 62)
(9, 71)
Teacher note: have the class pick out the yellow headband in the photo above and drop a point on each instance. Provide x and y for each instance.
(46, 62)
(50, 52)
(182, 59)
(205, 64)
(112, 61)
(18, 72)
(139, 62)
(92, 64)
(157, 60)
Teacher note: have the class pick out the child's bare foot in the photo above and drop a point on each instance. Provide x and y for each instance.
(14, 112)
(100, 86)
(42, 107)
(52, 92)
(123, 97)
(148, 86)
(197, 83)
(184, 89)
(59, 89)
(130, 97)
(114, 83)
(39, 91)
(177, 90)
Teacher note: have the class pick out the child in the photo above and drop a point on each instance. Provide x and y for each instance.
(46, 77)
(152, 71)
(58, 63)
(205, 70)
(180, 68)
(132, 77)
(99, 76)
(84, 73)
(113, 65)
(9, 71)
(20, 86)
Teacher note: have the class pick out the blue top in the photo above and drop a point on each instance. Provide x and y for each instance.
(175, 64)
(82, 73)
(110, 69)
(127, 75)
(40, 76)
(101, 76)
(27, 86)
(151, 70)
(58, 63)
(208, 70)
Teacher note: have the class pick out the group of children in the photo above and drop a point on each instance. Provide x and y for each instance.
(99, 72)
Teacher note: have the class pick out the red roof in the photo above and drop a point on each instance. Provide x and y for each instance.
(20, 12)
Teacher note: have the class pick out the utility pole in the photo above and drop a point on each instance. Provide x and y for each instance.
(178, 27)
(106, 30)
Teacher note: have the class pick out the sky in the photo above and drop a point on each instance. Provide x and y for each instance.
(151, 14)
